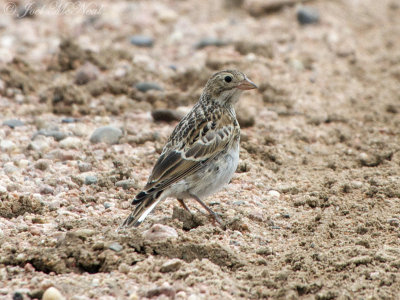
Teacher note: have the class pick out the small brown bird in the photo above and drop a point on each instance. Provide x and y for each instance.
(201, 154)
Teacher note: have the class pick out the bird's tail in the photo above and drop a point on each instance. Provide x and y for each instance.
(145, 202)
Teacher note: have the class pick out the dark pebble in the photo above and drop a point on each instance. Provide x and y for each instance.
(12, 123)
(90, 179)
(275, 227)
(69, 120)
(57, 135)
(17, 296)
(148, 86)
(307, 15)
(142, 41)
(166, 115)
(209, 41)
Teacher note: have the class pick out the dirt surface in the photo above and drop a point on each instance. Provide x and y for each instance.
(313, 211)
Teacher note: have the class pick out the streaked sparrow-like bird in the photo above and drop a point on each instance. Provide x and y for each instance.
(201, 154)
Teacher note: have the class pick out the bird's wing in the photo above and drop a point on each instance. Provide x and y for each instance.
(191, 153)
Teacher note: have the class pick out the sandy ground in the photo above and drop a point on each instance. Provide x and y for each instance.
(313, 211)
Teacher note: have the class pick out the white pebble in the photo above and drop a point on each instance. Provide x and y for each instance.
(52, 294)
(160, 232)
(3, 190)
(7, 146)
(274, 194)
(23, 163)
(71, 142)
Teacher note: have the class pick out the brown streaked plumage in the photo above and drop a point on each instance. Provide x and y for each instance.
(202, 152)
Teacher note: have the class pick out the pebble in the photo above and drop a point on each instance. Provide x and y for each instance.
(90, 179)
(23, 163)
(84, 167)
(3, 190)
(307, 15)
(166, 115)
(69, 120)
(239, 202)
(52, 294)
(142, 41)
(106, 134)
(125, 184)
(209, 41)
(12, 123)
(7, 146)
(57, 135)
(39, 145)
(124, 268)
(356, 184)
(88, 72)
(148, 86)
(171, 265)
(9, 168)
(45, 189)
(161, 290)
(117, 247)
(160, 232)
(71, 142)
(17, 296)
(42, 164)
(273, 194)
(108, 205)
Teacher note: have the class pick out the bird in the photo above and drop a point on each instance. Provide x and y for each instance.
(202, 153)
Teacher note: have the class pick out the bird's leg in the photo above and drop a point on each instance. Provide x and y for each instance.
(209, 210)
(183, 204)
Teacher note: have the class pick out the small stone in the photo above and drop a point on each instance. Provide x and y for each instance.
(7, 146)
(124, 268)
(71, 142)
(142, 41)
(125, 184)
(23, 163)
(166, 115)
(108, 205)
(171, 265)
(148, 86)
(12, 123)
(239, 202)
(160, 232)
(117, 247)
(209, 41)
(356, 184)
(161, 290)
(39, 144)
(273, 194)
(3, 190)
(69, 120)
(52, 294)
(107, 134)
(86, 73)
(9, 168)
(90, 179)
(84, 167)
(57, 135)
(307, 15)
(17, 296)
(42, 164)
(46, 189)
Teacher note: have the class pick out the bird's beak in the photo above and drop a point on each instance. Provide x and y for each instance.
(247, 84)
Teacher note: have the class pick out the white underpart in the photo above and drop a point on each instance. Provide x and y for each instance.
(147, 211)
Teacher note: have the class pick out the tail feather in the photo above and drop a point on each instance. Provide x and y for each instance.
(144, 205)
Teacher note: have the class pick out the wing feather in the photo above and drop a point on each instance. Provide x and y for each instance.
(173, 165)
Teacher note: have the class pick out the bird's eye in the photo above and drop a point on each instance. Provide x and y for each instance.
(228, 78)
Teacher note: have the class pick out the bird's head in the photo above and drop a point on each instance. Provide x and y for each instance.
(225, 87)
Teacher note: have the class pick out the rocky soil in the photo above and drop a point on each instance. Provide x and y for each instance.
(90, 93)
